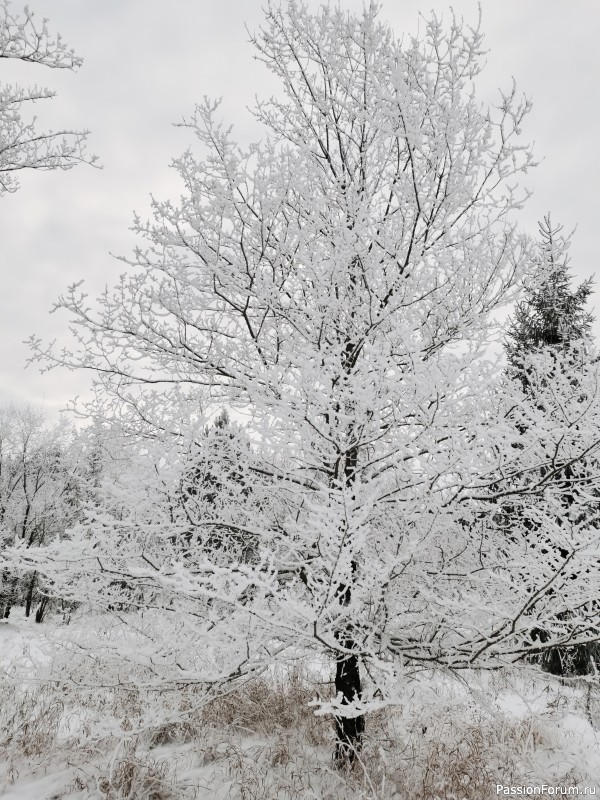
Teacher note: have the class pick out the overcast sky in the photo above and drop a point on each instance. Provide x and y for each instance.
(147, 62)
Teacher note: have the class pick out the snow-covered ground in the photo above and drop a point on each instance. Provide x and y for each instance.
(452, 738)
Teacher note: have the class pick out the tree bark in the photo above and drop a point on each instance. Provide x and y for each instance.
(29, 598)
(349, 730)
(7, 594)
(41, 610)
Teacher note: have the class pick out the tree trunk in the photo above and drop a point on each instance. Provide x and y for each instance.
(7, 594)
(41, 610)
(29, 598)
(349, 730)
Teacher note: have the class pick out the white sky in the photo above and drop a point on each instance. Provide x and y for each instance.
(146, 64)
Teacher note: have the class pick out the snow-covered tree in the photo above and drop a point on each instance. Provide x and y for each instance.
(335, 287)
(39, 497)
(22, 144)
(552, 314)
(554, 318)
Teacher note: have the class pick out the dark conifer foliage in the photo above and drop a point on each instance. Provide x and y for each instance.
(554, 316)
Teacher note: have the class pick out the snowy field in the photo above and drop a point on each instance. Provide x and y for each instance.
(453, 738)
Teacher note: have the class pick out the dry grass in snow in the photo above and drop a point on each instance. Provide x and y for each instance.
(452, 738)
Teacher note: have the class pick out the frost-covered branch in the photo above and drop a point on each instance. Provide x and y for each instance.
(22, 144)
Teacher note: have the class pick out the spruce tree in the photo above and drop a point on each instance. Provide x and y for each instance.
(553, 317)
(552, 314)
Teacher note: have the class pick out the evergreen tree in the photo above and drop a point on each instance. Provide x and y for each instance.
(554, 318)
(217, 474)
(552, 314)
